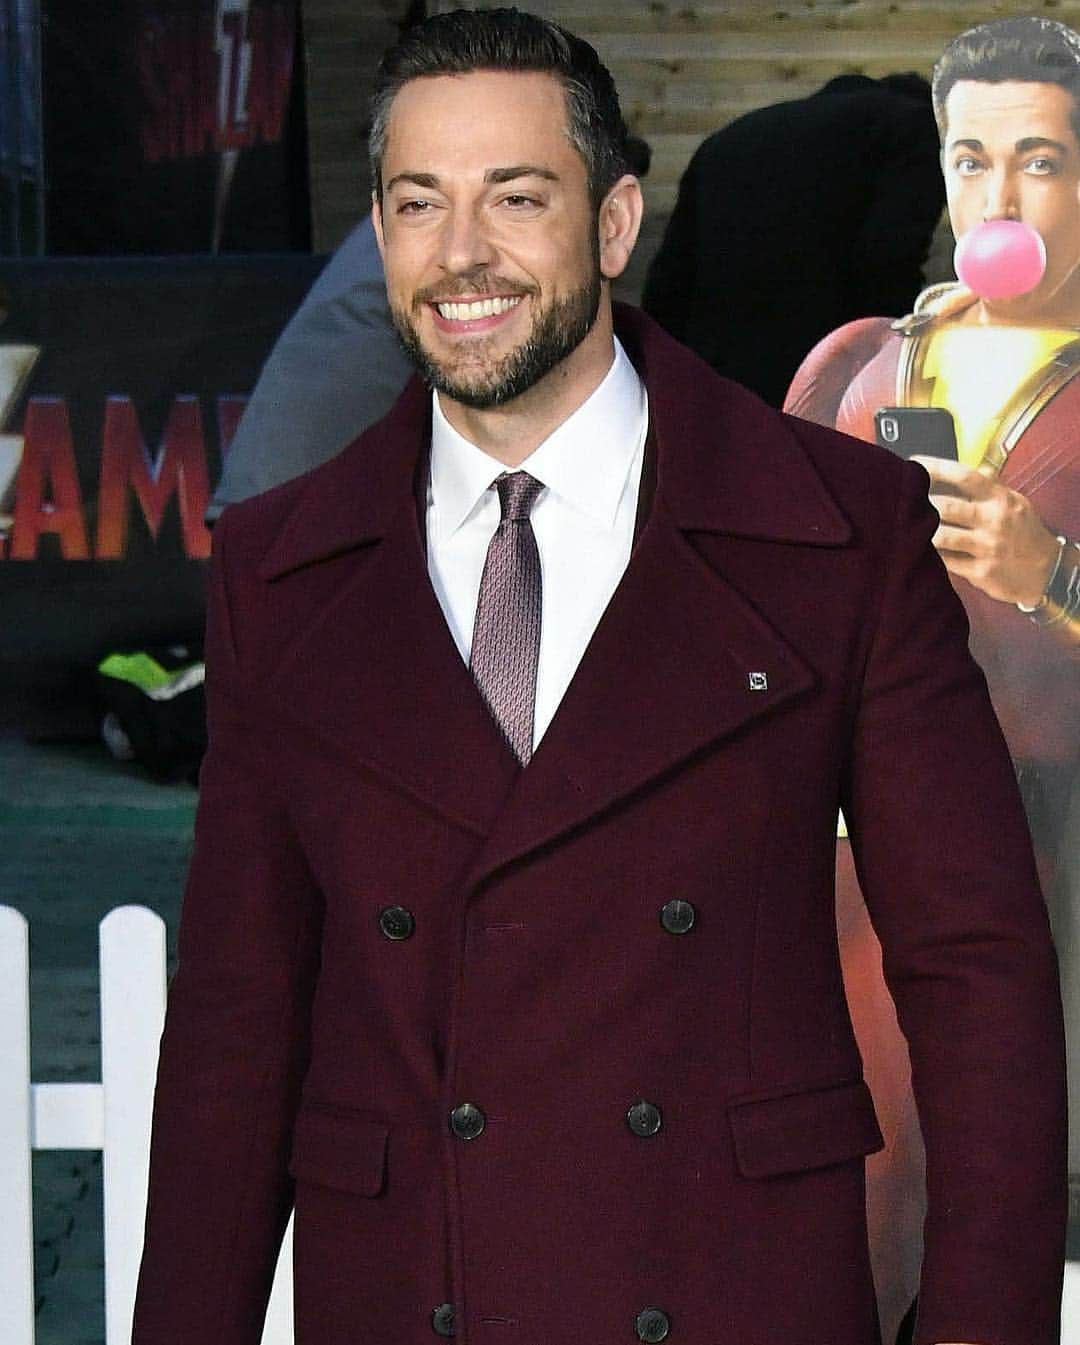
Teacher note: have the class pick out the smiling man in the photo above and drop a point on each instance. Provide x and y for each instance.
(495, 278)
(508, 956)
(484, 338)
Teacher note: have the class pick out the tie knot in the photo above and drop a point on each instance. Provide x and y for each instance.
(517, 495)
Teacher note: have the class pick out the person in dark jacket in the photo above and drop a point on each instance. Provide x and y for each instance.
(796, 218)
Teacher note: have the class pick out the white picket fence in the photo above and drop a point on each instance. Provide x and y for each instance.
(114, 1116)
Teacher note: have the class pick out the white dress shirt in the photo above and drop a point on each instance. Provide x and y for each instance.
(583, 522)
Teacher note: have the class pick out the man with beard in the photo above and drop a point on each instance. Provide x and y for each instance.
(508, 955)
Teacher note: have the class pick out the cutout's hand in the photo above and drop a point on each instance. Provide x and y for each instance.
(990, 534)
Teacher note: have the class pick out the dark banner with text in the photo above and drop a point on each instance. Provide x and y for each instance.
(174, 126)
(121, 385)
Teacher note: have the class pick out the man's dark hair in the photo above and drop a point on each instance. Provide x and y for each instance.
(1032, 50)
(508, 39)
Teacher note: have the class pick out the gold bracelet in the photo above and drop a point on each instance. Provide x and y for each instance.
(1063, 591)
(1044, 601)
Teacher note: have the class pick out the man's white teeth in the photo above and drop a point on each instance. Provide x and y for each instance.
(479, 308)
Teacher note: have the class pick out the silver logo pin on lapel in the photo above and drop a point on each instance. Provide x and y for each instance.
(759, 681)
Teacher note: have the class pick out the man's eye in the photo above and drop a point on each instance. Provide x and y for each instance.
(413, 207)
(967, 166)
(518, 201)
(1042, 166)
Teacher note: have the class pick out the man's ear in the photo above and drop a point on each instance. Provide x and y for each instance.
(619, 222)
(377, 221)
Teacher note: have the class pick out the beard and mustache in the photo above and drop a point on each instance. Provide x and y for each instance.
(556, 332)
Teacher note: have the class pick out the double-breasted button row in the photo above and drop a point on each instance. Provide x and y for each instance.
(442, 1319)
(467, 1121)
(652, 1325)
(678, 916)
(395, 922)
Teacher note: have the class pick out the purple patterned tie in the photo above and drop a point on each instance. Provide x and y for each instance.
(506, 635)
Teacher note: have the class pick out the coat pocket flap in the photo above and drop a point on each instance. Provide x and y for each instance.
(797, 1132)
(334, 1148)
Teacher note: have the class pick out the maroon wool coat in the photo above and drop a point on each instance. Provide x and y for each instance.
(784, 640)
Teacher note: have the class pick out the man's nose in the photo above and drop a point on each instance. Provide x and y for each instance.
(1002, 201)
(466, 242)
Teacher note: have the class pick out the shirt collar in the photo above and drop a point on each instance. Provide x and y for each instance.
(586, 460)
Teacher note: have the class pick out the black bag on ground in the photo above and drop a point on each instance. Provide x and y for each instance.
(155, 709)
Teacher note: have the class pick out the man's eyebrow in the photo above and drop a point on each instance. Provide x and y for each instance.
(519, 170)
(1024, 146)
(428, 180)
(1031, 142)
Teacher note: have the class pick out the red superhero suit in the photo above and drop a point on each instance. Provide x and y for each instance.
(1032, 672)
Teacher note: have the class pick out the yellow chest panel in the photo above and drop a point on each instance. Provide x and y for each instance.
(976, 373)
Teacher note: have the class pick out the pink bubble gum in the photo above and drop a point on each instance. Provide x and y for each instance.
(1000, 259)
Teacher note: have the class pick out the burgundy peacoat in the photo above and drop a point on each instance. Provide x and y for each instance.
(564, 1052)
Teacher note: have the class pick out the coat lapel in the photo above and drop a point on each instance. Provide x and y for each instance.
(377, 673)
(681, 658)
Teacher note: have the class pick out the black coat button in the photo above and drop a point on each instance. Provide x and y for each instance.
(644, 1119)
(396, 922)
(652, 1325)
(467, 1121)
(678, 916)
(442, 1319)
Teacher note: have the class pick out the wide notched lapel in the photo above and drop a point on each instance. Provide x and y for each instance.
(372, 669)
(681, 659)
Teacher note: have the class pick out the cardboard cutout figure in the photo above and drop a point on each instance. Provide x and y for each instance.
(979, 384)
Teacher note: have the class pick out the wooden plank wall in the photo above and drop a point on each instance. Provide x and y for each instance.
(683, 67)
(343, 40)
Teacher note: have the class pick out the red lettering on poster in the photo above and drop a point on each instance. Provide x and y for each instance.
(271, 28)
(210, 86)
(179, 468)
(234, 57)
(178, 79)
(47, 495)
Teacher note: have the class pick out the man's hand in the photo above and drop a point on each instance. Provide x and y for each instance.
(990, 535)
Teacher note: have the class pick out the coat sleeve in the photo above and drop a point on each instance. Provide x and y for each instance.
(944, 860)
(235, 1045)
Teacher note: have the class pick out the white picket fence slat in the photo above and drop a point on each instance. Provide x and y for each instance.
(113, 1116)
(17, 1225)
